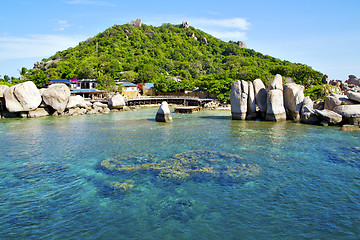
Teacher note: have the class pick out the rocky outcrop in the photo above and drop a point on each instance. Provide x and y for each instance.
(276, 83)
(241, 44)
(3, 88)
(275, 110)
(238, 98)
(163, 113)
(260, 96)
(56, 96)
(38, 64)
(293, 99)
(353, 80)
(205, 41)
(185, 24)
(350, 113)
(331, 102)
(308, 115)
(329, 116)
(355, 96)
(77, 101)
(251, 103)
(117, 101)
(22, 97)
(136, 23)
(325, 79)
(39, 112)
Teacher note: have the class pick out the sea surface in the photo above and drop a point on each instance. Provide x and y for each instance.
(203, 176)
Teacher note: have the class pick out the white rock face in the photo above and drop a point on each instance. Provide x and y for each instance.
(355, 96)
(260, 95)
(348, 111)
(76, 101)
(238, 98)
(308, 115)
(329, 116)
(251, 104)
(57, 96)
(117, 101)
(275, 106)
(293, 100)
(39, 112)
(163, 113)
(22, 97)
(3, 88)
(276, 83)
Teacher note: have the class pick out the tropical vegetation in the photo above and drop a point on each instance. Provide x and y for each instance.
(163, 55)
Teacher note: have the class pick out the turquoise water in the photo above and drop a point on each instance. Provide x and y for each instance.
(53, 185)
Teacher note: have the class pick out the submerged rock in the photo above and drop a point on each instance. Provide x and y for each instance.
(163, 113)
(238, 98)
(198, 165)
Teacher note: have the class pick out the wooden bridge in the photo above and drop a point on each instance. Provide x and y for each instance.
(181, 100)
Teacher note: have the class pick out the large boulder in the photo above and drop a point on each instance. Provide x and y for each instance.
(276, 83)
(238, 99)
(76, 101)
(163, 113)
(351, 113)
(353, 80)
(22, 97)
(293, 99)
(117, 101)
(3, 88)
(39, 112)
(275, 110)
(329, 116)
(331, 101)
(308, 115)
(56, 96)
(251, 103)
(136, 23)
(355, 96)
(260, 96)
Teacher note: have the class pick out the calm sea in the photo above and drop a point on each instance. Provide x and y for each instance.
(288, 180)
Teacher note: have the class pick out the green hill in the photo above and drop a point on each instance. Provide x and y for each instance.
(154, 54)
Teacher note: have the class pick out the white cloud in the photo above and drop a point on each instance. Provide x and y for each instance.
(62, 25)
(228, 35)
(35, 45)
(236, 23)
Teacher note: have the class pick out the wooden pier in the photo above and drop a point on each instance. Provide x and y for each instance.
(186, 101)
(187, 109)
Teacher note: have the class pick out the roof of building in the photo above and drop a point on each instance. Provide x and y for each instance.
(59, 81)
(129, 85)
(93, 90)
(149, 85)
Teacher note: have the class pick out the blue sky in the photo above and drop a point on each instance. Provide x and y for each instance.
(322, 34)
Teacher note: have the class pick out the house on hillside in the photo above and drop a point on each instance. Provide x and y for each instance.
(83, 87)
(129, 89)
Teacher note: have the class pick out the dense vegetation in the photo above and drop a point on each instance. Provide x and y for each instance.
(154, 54)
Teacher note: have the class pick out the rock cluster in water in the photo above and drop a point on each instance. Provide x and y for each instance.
(26, 100)
(201, 165)
(287, 102)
